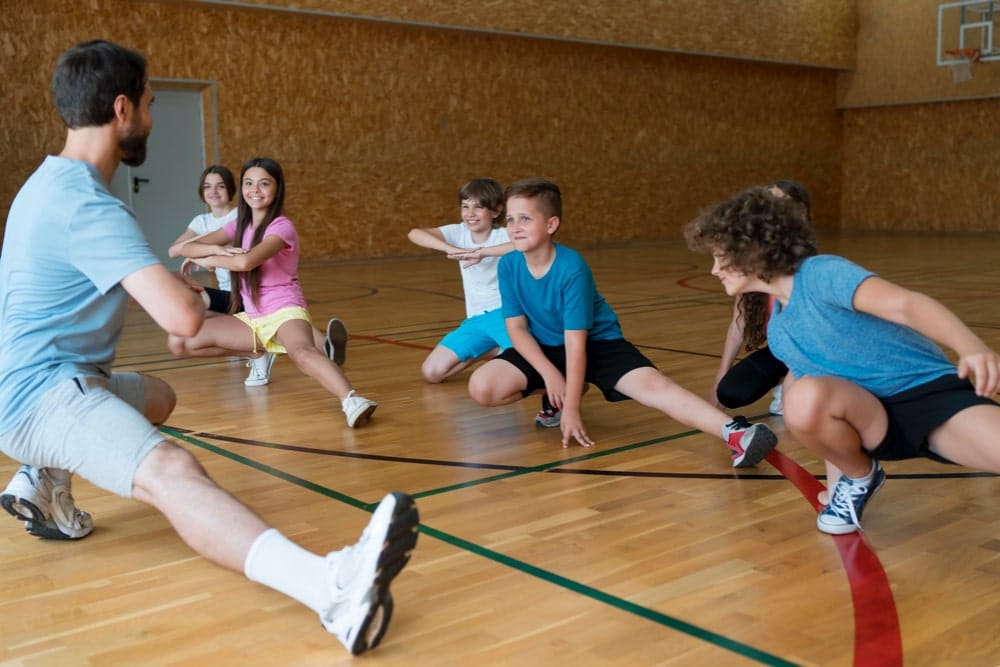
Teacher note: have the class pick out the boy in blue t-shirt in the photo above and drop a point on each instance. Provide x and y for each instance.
(867, 380)
(565, 335)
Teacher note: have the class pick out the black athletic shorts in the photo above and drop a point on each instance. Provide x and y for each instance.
(914, 413)
(607, 362)
(218, 300)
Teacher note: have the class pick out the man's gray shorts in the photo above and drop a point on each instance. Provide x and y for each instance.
(92, 426)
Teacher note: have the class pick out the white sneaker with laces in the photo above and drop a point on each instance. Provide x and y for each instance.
(260, 370)
(335, 344)
(358, 409)
(41, 497)
(359, 575)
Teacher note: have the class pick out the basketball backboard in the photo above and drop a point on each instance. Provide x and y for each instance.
(965, 31)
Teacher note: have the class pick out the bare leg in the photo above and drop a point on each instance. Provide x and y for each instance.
(837, 419)
(296, 336)
(219, 336)
(652, 388)
(497, 382)
(442, 363)
(969, 438)
(206, 517)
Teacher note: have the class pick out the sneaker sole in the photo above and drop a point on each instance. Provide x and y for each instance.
(336, 333)
(546, 424)
(33, 518)
(400, 540)
(758, 450)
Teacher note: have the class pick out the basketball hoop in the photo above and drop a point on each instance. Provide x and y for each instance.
(961, 63)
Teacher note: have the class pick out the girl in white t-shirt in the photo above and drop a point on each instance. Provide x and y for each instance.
(477, 243)
(216, 188)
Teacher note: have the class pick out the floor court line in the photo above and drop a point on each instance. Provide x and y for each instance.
(660, 618)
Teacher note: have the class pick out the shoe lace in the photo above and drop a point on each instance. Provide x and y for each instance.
(845, 500)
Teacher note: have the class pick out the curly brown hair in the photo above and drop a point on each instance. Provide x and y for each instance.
(758, 234)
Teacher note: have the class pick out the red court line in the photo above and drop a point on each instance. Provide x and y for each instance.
(877, 640)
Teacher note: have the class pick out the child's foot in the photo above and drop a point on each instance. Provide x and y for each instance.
(847, 502)
(548, 416)
(260, 370)
(748, 443)
(335, 344)
(358, 409)
(359, 575)
(41, 497)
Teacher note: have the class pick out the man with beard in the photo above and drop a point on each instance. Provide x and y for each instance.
(72, 256)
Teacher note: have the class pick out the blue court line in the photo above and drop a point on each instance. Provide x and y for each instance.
(550, 577)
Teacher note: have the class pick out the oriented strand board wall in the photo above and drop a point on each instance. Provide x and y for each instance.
(897, 56)
(921, 152)
(377, 124)
(814, 32)
(923, 167)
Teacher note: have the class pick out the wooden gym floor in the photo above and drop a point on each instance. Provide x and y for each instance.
(646, 550)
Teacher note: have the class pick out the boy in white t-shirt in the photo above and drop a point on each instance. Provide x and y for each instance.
(477, 243)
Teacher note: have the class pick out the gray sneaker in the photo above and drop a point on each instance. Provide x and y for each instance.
(335, 344)
(359, 575)
(41, 497)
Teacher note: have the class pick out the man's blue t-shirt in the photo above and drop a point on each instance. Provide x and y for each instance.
(67, 245)
(564, 299)
(819, 332)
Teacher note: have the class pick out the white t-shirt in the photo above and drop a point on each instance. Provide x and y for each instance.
(482, 293)
(205, 223)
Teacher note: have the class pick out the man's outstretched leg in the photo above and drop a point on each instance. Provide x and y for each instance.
(349, 588)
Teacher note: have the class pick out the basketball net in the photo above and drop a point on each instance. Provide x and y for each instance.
(961, 64)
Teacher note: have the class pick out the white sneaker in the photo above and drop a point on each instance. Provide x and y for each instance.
(335, 344)
(359, 575)
(358, 409)
(41, 497)
(260, 370)
(776, 408)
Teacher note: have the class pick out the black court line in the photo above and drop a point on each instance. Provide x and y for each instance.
(598, 595)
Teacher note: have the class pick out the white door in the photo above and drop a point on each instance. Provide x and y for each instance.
(163, 190)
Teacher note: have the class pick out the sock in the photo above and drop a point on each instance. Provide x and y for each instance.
(866, 478)
(279, 563)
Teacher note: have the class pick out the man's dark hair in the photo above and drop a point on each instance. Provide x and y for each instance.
(88, 78)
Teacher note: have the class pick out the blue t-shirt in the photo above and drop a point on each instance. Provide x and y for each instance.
(67, 245)
(819, 332)
(564, 299)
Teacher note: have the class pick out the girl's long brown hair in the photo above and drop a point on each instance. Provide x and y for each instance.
(244, 220)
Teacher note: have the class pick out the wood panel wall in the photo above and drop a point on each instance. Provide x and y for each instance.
(377, 124)
(812, 32)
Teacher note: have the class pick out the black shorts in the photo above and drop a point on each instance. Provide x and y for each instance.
(607, 362)
(218, 300)
(914, 413)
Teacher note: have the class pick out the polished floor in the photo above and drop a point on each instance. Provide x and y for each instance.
(648, 549)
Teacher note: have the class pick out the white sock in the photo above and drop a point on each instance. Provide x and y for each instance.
(866, 478)
(279, 563)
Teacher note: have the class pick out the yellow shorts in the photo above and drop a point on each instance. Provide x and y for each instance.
(266, 326)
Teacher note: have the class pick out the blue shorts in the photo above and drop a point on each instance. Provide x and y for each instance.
(478, 335)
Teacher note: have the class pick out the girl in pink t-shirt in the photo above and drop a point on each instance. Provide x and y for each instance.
(261, 250)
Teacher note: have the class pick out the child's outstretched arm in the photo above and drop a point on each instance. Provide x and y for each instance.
(881, 298)
(470, 256)
(431, 237)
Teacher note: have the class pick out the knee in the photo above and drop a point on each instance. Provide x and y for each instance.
(160, 399)
(161, 470)
(177, 346)
(803, 405)
(481, 389)
(432, 374)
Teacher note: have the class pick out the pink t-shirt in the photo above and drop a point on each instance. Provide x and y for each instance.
(279, 275)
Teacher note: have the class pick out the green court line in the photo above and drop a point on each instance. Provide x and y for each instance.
(598, 595)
